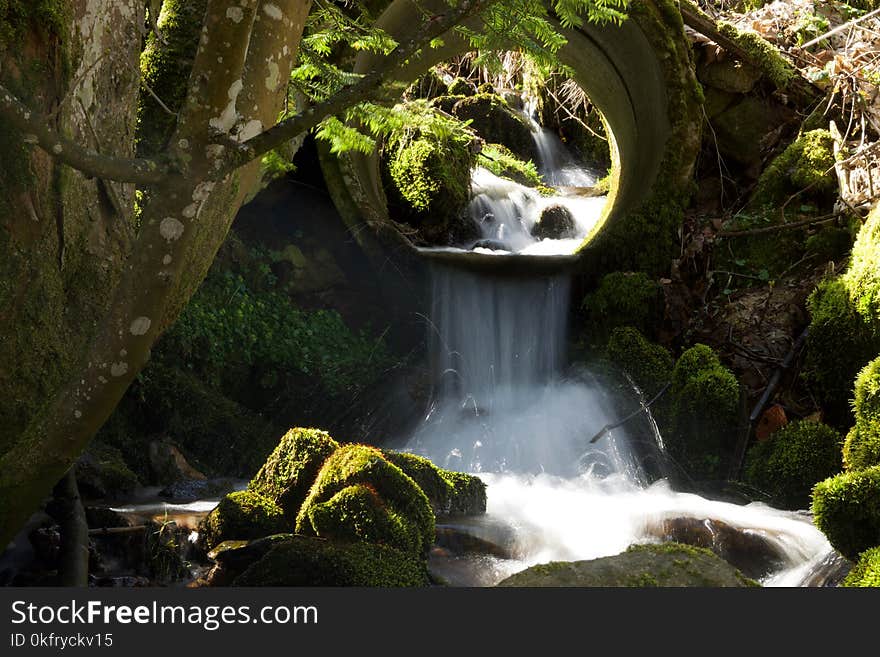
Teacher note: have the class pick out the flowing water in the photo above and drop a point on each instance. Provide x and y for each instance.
(504, 409)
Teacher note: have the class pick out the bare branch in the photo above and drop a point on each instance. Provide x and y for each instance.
(35, 129)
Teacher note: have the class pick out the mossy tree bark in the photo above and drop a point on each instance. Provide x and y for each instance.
(69, 355)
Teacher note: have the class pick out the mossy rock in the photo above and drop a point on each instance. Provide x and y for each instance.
(807, 166)
(450, 493)
(501, 161)
(666, 565)
(650, 365)
(862, 447)
(461, 87)
(830, 244)
(624, 299)
(101, 471)
(846, 508)
(242, 515)
(493, 120)
(866, 572)
(705, 415)
(309, 561)
(291, 469)
(741, 128)
(406, 509)
(793, 460)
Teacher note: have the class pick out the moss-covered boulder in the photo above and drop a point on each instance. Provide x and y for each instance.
(624, 299)
(807, 166)
(650, 365)
(493, 120)
(101, 471)
(556, 223)
(461, 87)
(666, 564)
(310, 561)
(705, 414)
(862, 447)
(741, 128)
(291, 469)
(242, 515)
(501, 161)
(846, 508)
(359, 494)
(866, 572)
(450, 493)
(845, 325)
(793, 460)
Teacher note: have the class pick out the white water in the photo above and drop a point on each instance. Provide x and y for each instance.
(502, 409)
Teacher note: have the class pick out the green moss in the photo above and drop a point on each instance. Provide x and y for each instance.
(166, 67)
(793, 460)
(623, 299)
(242, 515)
(768, 58)
(705, 413)
(307, 561)
(866, 571)
(358, 513)
(460, 87)
(354, 465)
(450, 493)
(830, 244)
(102, 472)
(847, 510)
(649, 365)
(845, 324)
(862, 447)
(291, 469)
(806, 165)
(501, 161)
(493, 120)
(17, 17)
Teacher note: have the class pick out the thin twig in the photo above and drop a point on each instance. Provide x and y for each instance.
(786, 226)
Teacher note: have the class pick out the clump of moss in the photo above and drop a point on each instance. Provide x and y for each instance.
(846, 508)
(862, 447)
(406, 506)
(450, 493)
(493, 120)
(845, 324)
(623, 299)
(793, 460)
(461, 87)
(807, 165)
(308, 561)
(501, 161)
(866, 571)
(771, 62)
(240, 516)
(291, 469)
(101, 471)
(705, 413)
(649, 365)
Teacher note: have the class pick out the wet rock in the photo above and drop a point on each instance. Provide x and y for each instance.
(103, 518)
(772, 419)
(169, 465)
(669, 564)
(494, 245)
(231, 558)
(456, 541)
(556, 223)
(190, 490)
(749, 551)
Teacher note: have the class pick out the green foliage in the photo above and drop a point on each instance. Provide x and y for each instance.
(291, 469)
(450, 493)
(807, 165)
(847, 510)
(705, 415)
(307, 561)
(623, 299)
(649, 364)
(229, 328)
(793, 460)
(354, 465)
(242, 515)
(492, 119)
(862, 447)
(774, 65)
(830, 244)
(48, 17)
(866, 571)
(501, 161)
(863, 276)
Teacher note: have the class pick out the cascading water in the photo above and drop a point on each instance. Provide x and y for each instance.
(504, 409)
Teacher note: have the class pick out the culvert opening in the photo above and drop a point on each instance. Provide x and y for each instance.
(497, 155)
